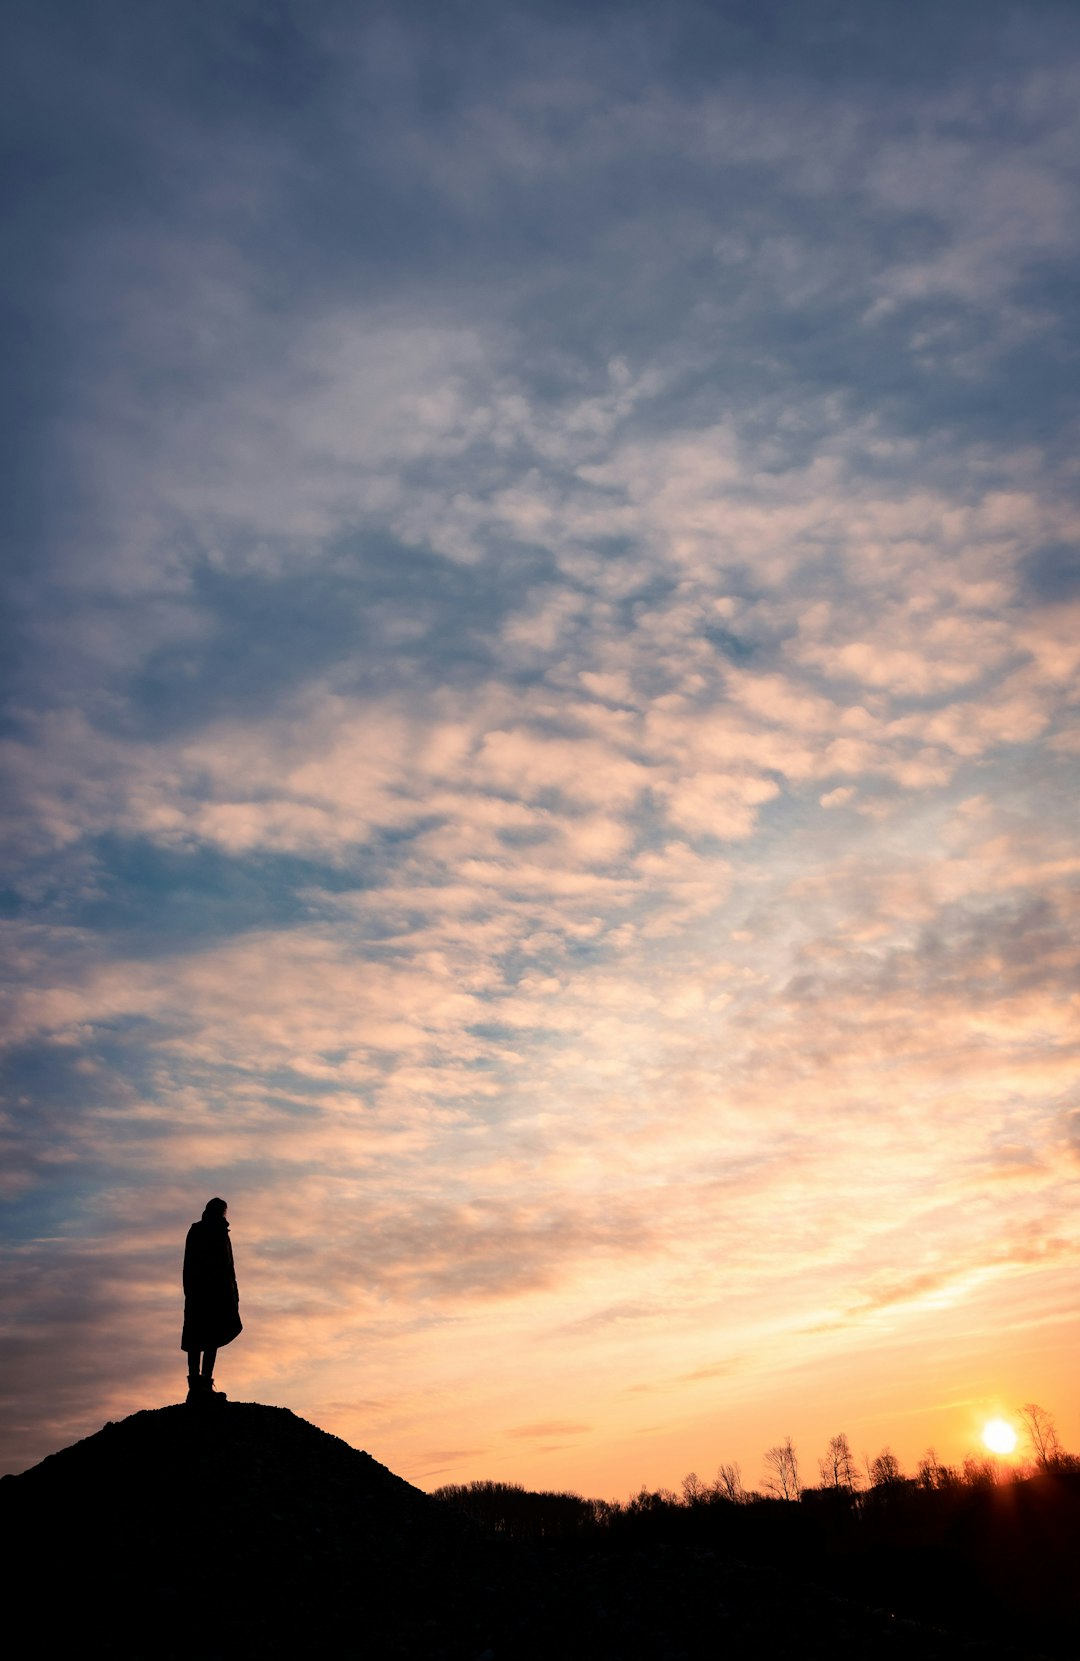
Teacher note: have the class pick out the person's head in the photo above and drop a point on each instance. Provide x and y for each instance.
(214, 1211)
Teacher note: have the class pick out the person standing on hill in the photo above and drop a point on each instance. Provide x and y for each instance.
(211, 1300)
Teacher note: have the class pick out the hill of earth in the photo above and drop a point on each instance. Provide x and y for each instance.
(244, 1531)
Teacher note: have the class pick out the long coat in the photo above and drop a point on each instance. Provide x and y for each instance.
(211, 1300)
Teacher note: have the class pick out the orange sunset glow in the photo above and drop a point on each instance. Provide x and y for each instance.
(541, 733)
(1000, 1437)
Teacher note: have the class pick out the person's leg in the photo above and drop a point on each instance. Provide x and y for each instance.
(206, 1382)
(192, 1373)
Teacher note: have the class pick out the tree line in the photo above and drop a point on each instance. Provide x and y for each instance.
(979, 1546)
(519, 1513)
(838, 1468)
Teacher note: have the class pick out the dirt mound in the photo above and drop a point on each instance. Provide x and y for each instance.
(237, 1529)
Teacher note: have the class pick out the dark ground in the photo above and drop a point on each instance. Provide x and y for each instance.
(243, 1531)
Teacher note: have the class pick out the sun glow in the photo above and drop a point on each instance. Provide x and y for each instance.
(999, 1436)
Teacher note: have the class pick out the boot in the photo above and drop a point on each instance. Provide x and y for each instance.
(209, 1394)
(194, 1389)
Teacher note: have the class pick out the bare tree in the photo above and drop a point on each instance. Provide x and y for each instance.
(932, 1473)
(656, 1499)
(1042, 1434)
(885, 1470)
(729, 1484)
(979, 1471)
(838, 1468)
(782, 1472)
(694, 1491)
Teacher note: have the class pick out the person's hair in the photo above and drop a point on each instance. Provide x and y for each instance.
(213, 1209)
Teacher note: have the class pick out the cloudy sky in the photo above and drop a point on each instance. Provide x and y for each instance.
(540, 727)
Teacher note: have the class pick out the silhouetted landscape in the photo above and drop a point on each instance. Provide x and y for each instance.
(539, 895)
(247, 1531)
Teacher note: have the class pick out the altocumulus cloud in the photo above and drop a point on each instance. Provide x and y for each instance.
(538, 752)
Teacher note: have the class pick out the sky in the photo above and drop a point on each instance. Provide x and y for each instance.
(540, 733)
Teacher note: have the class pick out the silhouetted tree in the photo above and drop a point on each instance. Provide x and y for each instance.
(838, 1468)
(782, 1471)
(931, 1473)
(979, 1471)
(1042, 1434)
(694, 1491)
(884, 1470)
(729, 1484)
(651, 1500)
(520, 1513)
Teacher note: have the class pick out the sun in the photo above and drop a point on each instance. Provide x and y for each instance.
(999, 1436)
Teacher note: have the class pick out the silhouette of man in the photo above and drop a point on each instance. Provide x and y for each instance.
(211, 1300)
